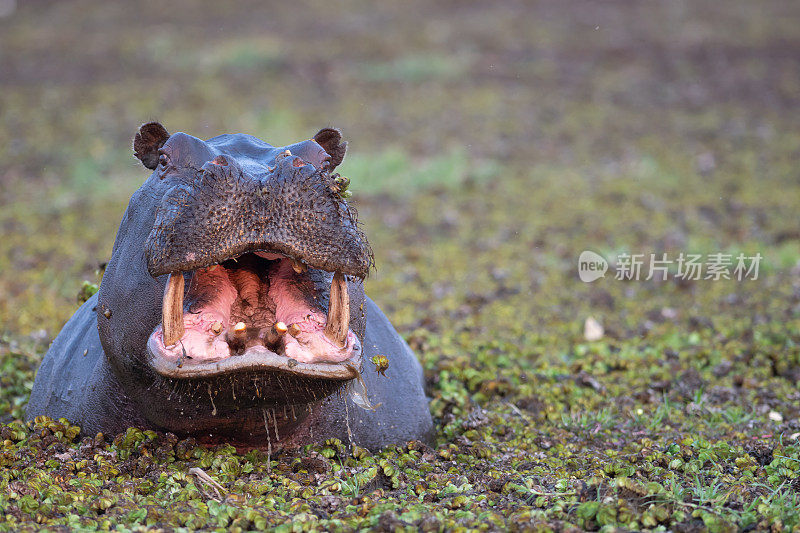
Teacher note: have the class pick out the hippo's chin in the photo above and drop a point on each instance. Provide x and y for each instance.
(255, 312)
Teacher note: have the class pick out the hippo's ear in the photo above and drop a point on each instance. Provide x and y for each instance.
(148, 140)
(331, 140)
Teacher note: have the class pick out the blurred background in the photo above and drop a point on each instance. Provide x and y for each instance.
(490, 143)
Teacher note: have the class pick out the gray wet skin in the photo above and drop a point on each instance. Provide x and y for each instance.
(206, 203)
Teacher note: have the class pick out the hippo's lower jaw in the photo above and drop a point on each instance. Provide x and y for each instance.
(257, 312)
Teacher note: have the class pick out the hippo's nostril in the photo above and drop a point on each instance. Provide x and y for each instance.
(220, 160)
(298, 163)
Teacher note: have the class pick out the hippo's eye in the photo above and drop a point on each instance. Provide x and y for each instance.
(163, 161)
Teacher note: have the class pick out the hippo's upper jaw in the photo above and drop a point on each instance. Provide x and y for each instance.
(258, 248)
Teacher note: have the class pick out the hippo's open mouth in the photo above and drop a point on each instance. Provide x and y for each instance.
(257, 311)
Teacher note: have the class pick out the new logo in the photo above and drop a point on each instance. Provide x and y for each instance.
(591, 266)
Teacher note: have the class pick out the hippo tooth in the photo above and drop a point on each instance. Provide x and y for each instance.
(294, 330)
(338, 311)
(237, 336)
(280, 328)
(216, 328)
(298, 266)
(172, 310)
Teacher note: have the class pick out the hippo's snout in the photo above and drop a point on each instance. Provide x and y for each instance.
(221, 211)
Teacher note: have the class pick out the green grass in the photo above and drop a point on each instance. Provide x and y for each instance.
(489, 146)
(394, 172)
(414, 69)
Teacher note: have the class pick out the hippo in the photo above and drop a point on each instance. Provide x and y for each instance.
(233, 308)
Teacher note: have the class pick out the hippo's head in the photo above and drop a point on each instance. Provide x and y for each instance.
(235, 283)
